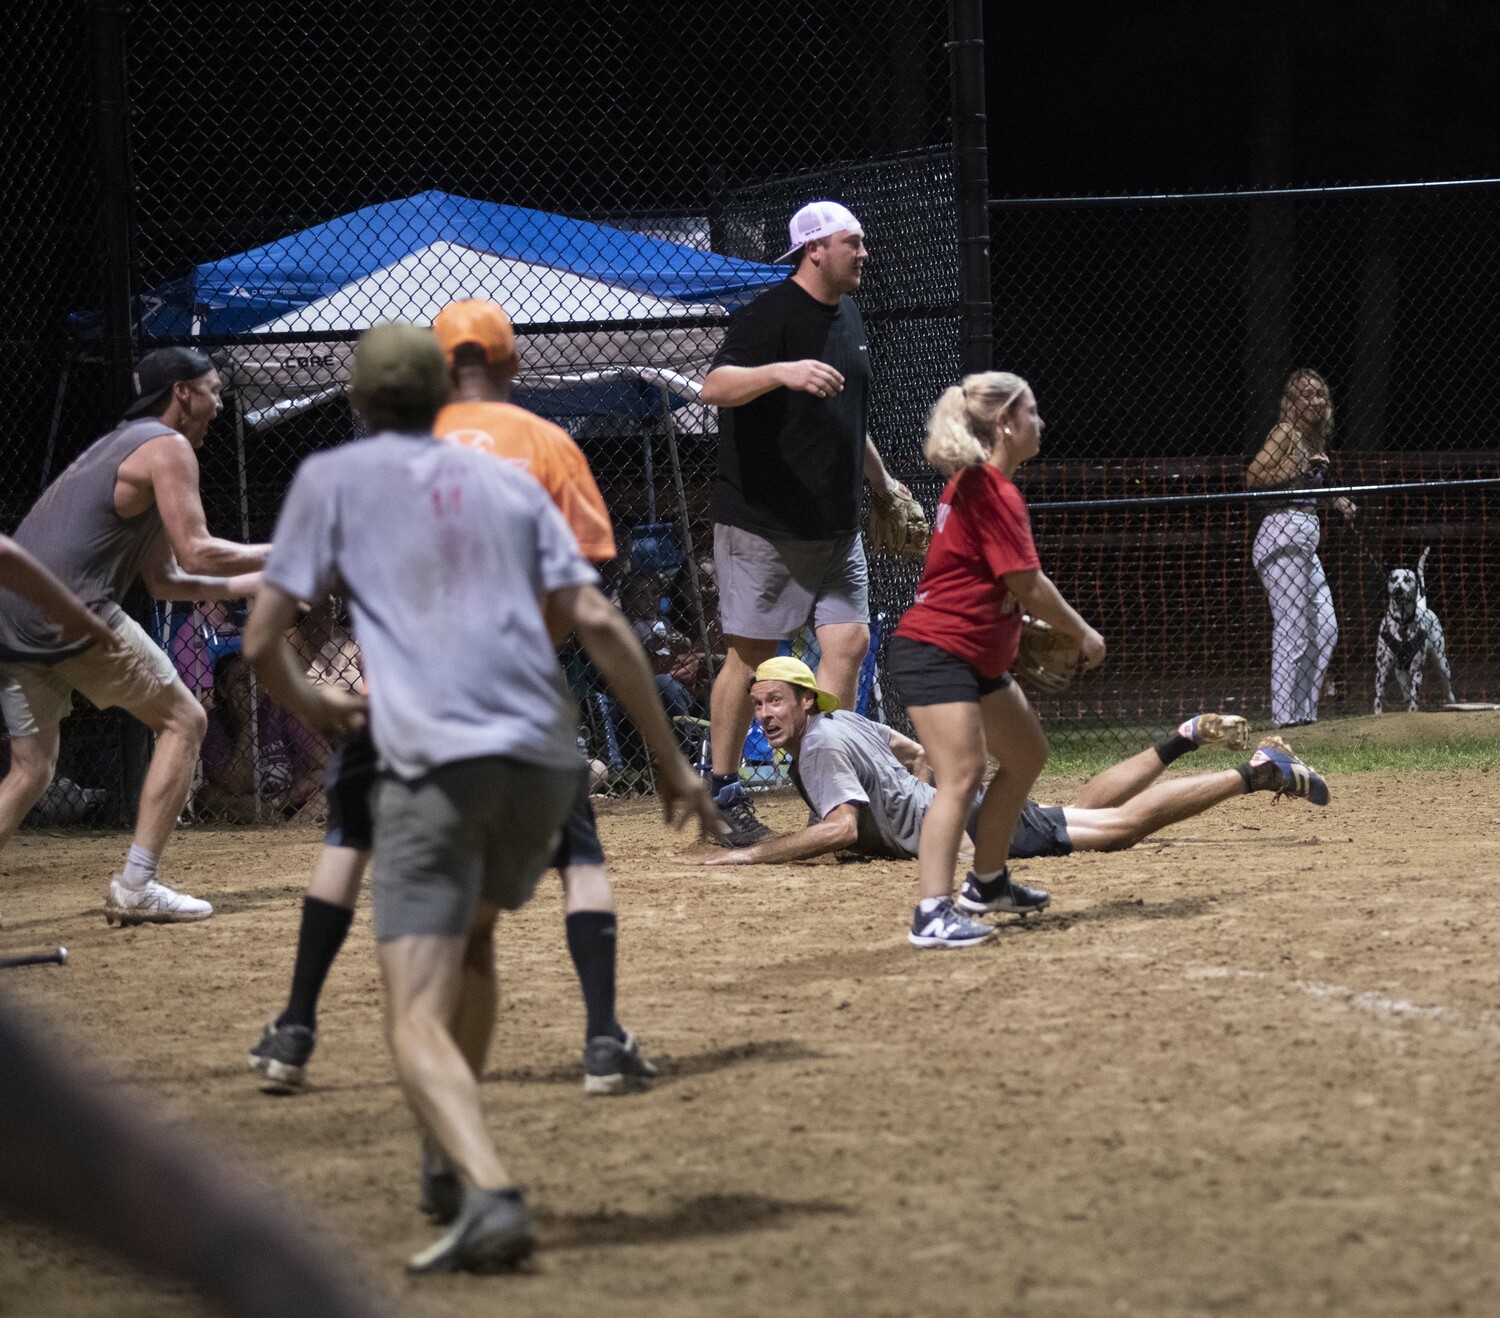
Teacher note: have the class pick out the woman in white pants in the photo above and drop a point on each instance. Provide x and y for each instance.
(1304, 627)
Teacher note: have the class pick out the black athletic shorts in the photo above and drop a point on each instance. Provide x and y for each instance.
(347, 779)
(579, 843)
(926, 674)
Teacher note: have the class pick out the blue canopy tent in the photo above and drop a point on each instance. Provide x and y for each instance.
(610, 322)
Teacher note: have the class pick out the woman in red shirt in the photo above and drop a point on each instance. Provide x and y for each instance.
(949, 657)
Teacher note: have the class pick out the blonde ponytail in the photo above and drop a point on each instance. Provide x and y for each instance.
(961, 428)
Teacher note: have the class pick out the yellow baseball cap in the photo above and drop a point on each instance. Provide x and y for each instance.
(794, 672)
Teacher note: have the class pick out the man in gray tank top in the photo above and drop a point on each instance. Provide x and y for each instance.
(129, 506)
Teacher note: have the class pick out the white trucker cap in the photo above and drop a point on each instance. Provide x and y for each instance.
(819, 219)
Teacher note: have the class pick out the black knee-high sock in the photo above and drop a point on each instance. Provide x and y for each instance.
(324, 926)
(1175, 747)
(591, 944)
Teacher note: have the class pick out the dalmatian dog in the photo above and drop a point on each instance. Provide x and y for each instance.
(1410, 635)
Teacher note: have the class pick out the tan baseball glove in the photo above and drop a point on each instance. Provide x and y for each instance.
(1048, 660)
(897, 525)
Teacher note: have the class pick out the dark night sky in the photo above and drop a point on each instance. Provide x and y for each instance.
(1171, 95)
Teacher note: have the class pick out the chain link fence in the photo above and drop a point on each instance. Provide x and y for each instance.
(620, 177)
(1159, 334)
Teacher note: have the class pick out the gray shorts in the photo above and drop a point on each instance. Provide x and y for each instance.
(469, 831)
(770, 588)
(37, 697)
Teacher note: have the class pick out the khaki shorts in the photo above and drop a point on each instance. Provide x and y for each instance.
(470, 830)
(770, 588)
(37, 697)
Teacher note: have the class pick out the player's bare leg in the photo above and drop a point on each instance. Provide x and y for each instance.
(179, 722)
(1014, 736)
(431, 992)
(1118, 783)
(33, 761)
(1117, 827)
(954, 741)
(338, 876)
(729, 708)
(136, 895)
(842, 647)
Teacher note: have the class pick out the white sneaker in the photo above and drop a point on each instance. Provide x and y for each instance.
(154, 904)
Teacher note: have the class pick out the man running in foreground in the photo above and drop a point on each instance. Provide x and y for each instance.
(868, 787)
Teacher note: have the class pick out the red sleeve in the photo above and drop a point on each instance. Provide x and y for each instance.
(1003, 529)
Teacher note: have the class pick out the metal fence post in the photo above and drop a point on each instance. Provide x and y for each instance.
(972, 174)
(108, 20)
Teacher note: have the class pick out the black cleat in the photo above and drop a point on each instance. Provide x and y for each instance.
(615, 1066)
(282, 1056)
(493, 1230)
(1003, 895)
(741, 827)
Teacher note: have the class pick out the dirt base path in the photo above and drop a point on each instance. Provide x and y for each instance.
(1248, 1068)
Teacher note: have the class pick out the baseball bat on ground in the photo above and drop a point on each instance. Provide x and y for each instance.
(56, 958)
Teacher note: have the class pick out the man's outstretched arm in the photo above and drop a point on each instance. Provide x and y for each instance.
(835, 832)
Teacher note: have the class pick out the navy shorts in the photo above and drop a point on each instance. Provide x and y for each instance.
(348, 778)
(579, 843)
(1042, 830)
(926, 674)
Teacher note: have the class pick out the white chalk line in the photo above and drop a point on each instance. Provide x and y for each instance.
(1367, 1000)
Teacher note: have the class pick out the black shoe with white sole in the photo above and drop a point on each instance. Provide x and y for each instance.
(1003, 895)
(615, 1066)
(493, 1230)
(282, 1056)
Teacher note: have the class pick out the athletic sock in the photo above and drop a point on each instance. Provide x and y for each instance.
(722, 780)
(929, 904)
(592, 936)
(1260, 777)
(322, 933)
(1246, 773)
(1174, 747)
(140, 867)
(994, 876)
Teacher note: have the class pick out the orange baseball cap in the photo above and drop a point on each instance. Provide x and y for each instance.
(476, 321)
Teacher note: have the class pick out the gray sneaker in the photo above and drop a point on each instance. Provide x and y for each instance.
(493, 1230)
(282, 1056)
(615, 1066)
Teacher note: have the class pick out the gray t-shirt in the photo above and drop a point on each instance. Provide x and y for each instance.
(847, 760)
(444, 555)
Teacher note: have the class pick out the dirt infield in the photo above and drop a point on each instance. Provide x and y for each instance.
(1248, 1068)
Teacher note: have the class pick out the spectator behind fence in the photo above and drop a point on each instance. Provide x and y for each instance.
(676, 662)
(197, 641)
(1304, 627)
(274, 764)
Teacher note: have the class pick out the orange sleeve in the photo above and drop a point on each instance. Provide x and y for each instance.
(579, 501)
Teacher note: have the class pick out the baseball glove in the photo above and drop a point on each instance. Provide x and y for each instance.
(897, 525)
(1048, 660)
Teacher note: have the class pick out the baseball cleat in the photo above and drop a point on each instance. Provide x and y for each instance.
(614, 1066)
(442, 1192)
(947, 927)
(741, 827)
(1296, 777)
(154, 904)
(492, 1230)
(1227, 731)
(1002, 895)
(282, 1056)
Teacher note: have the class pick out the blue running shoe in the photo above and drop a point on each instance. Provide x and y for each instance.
(947, 927)
(1297, 778)
(1002, 895)
(1228, 731)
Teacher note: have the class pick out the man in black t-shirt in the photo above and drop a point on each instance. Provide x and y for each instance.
(792, 378)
